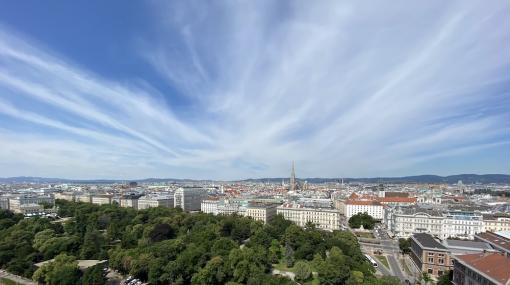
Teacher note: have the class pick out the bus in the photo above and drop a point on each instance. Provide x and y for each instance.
(371, 260)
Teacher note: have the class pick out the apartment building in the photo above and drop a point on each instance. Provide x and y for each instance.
(209, 206)
(15, 203)
(405, 222)
(325, 219)
(429, 255)
(189, 199)
(4, 203)
(65, 196)
(261, 212)
(481, 269)
(496, 223)
(101, 199)
(156, 201)
(371, 207)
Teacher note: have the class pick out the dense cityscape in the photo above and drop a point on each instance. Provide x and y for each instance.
(416, 232)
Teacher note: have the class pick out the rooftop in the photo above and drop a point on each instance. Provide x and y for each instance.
(495, 239)
(494, 265)
(426, 240)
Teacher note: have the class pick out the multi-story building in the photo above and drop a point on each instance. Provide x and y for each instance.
(85, 198)
(65, 196)
(209, 206)
(15, 203)
(325, 219)
(129, 201)
(261, 212)
(429, 255)
(101, 199)
(496, 223)
(481, 269)
(4, 203)
(371, 207)
(460, 224)
(157, 201)
(189, 199)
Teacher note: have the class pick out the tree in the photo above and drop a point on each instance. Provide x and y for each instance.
(303, 270)
(445, 278)
(161, 232)
(94, 276)
(362, 219)
(63, 270)
(212, 274)
(425, 277)
(405, 245)
(93, 243)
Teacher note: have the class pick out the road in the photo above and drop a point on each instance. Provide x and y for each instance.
(395, 267)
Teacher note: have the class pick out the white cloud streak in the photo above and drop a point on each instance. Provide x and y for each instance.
(345, 89)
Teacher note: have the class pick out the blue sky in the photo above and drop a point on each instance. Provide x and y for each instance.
(239, 89)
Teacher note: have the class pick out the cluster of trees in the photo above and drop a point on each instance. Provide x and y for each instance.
(362, 219)
(168, 246)
(405, 245)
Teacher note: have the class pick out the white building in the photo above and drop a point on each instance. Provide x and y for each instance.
(325, 219)
(373, 208)
(453, 224)
(189, 199)
(209, 206)
(156, 201)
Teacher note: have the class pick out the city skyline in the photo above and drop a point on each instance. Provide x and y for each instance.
(229, 91)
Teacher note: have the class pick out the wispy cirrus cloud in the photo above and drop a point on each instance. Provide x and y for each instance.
(345, 89)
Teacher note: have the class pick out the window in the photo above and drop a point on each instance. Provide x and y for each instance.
(430, 271)
(431, 259)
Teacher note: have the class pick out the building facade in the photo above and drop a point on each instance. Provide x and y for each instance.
(373, 208)
(325, 219)
(209, 206)
(16, 203)
(429, 255)
(153, 202)
(101, 199)
(496, 223)
(189, 199)
(261, 212)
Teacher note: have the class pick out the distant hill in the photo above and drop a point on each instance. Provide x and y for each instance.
(465, 178)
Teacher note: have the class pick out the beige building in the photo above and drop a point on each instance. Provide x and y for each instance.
(261, 212)
(153, 202)
(496, 223)
(101, 199)
(325, 219)
(15, 203)
(85, 198)
(65, 196)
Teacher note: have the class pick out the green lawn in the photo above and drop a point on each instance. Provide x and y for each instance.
(383, 260)
(5, 281)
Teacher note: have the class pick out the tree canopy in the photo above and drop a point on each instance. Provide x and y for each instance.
(362, 219)
(168, 246)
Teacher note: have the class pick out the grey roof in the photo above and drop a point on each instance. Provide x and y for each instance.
(467, 244)
(427, 240)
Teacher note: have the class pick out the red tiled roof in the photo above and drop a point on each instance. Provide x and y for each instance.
(494, 265)
(397, 200)
(362, 202)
